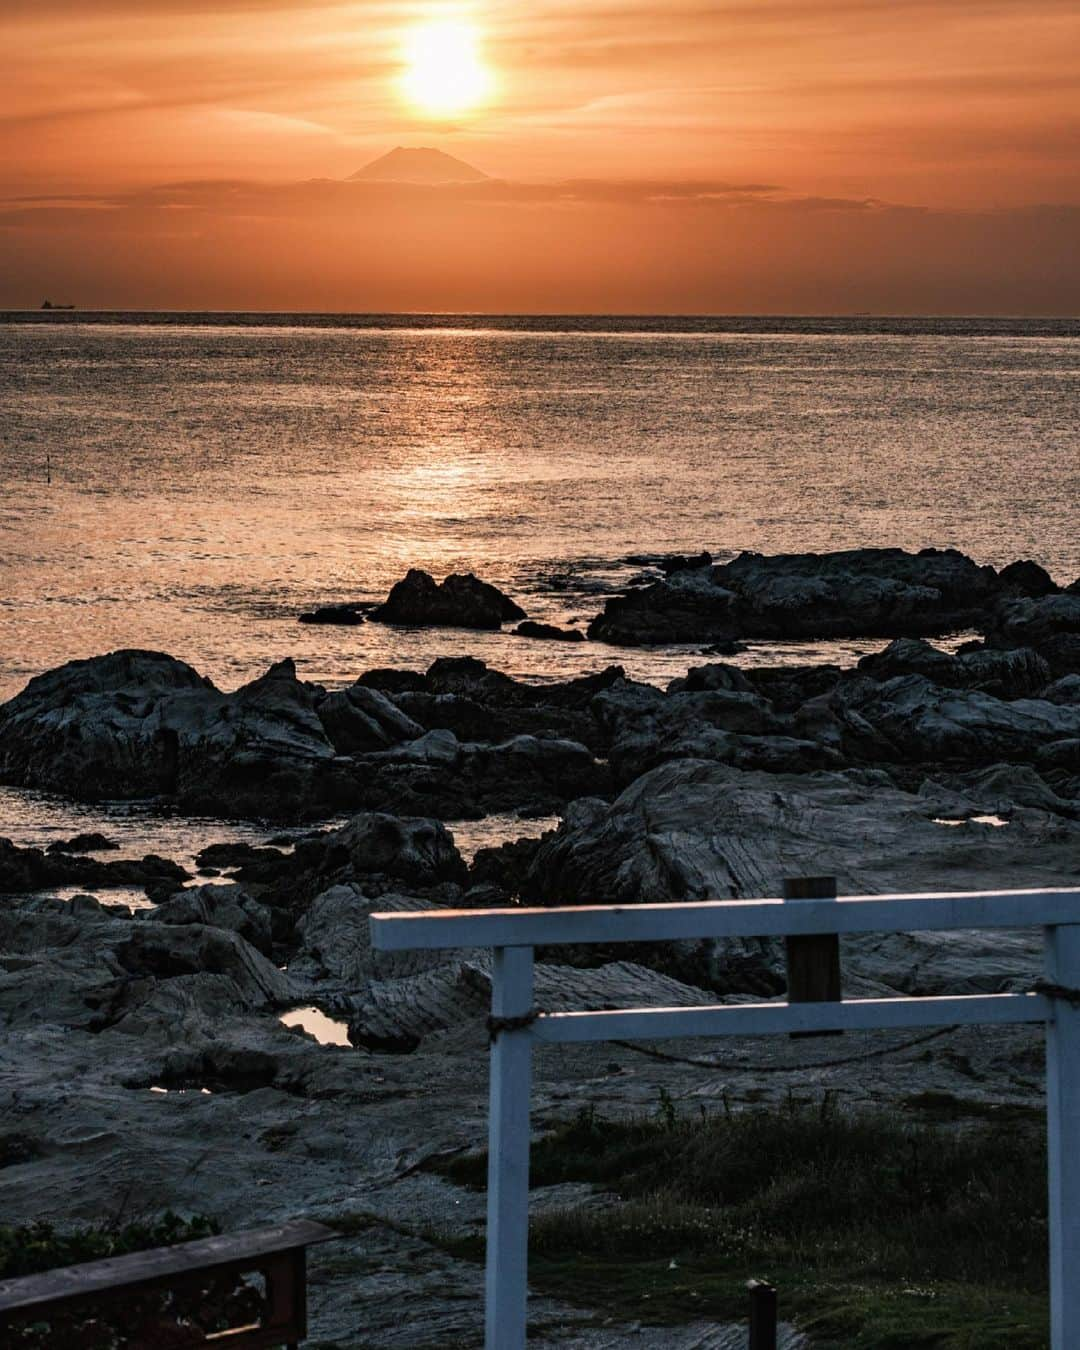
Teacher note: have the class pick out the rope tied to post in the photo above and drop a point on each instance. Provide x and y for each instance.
(497, 1024)
(1065, 993)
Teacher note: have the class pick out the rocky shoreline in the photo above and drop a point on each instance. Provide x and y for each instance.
(144, 1053)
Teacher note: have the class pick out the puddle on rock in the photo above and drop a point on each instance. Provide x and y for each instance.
(326, 1030)
(998, 822)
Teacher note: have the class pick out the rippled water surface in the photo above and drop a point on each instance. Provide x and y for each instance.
(192, 483)
(211, 479)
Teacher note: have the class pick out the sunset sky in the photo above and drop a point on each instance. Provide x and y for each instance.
(728, 155)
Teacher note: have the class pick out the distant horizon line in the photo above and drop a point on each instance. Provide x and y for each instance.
(66, 312)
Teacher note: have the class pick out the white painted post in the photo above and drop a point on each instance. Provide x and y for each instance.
(508, 1153)
(1063, 1138)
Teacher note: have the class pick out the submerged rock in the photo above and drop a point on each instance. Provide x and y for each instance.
(344, 615)
(84, 843)
(461, 601)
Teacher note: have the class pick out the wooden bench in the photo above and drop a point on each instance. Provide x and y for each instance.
(277, 1253)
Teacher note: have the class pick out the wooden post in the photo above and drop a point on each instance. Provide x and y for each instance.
(813, 963)
(508, 1153)
(762, 1315)
(1063, 1138)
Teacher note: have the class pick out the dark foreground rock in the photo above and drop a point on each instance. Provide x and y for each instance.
(461, 601)
(456, 742)
(142, 724)
(853, 593)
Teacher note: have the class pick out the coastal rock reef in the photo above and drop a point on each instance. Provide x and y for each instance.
(231, 1042)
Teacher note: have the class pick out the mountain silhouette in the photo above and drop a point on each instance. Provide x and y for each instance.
(420, 165)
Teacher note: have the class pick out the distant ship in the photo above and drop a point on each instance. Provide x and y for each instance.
(48, 304)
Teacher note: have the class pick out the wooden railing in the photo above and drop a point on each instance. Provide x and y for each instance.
(516, 1025)
(277, 1254)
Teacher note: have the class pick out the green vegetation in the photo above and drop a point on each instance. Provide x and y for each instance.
(39, 1246)
(881, 1233)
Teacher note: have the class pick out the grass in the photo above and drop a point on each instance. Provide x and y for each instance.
(35, 1247)
(881, 1233)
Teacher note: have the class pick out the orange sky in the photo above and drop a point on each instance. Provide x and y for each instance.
(697, 154)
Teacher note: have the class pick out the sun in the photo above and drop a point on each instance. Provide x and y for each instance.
(443, 70)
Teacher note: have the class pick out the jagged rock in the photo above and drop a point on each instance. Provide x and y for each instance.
(360, 719)
(916, 720)
(87, 969)
(1065, 690)
(163, 952)
(442, 776)
(692, 830)
(396, 1015)
(721, 718)
(461, 601)
(1032, 622)
(1026, 578)
(858, 592)
(548, 632)
(392, 681)
(30, 869)
(227, 906)
(84, 843)
(788, 687)
(141, 724)
(236, 853)
(346, 615)
(335, 950)
(1016, 673)
(714, 676)
(503, 867)
(418, 851)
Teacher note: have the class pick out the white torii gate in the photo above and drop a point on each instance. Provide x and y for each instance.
(513, 933)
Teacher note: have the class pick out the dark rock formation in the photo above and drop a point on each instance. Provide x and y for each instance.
(908, 718)
(360, 719)
(548, 632)
(461, 601)
(1049, 623)
(693, 831)
(141, 724)
(720, 719)
(84, 843)
(1015, 673)
(1026, 578)
(228, 907)
(858, 592)
(30, 869)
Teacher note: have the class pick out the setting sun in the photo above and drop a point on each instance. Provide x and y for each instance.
(444, 72)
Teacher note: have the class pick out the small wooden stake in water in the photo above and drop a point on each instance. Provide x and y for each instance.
(762, 1315)
(813, 963)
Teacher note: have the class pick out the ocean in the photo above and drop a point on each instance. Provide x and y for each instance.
(191, 483)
